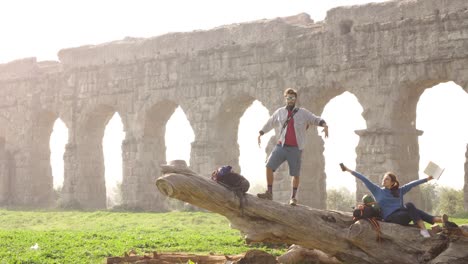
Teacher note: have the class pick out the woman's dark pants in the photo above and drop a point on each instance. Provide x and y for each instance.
(404, 216)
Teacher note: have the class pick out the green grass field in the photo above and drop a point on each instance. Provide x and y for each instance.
(90, 237)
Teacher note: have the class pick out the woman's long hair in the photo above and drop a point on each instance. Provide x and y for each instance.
(395, 186)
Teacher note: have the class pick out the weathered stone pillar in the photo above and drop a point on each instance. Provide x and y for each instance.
(203, 156)
(142, 158)
(70, 163)
(384, 149)
(465, 188)
(207, 156)
(215, 145)
(4, 174)
(41, 181)
(91, 191)
(84, 184)
(32, 184)
(313, 186)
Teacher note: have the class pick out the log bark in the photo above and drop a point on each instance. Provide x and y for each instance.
(332, 232)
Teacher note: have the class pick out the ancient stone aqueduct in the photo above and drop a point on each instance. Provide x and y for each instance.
(385, 54)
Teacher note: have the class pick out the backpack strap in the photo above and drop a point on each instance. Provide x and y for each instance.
(289, 118)
(239, 192)
(375, 224)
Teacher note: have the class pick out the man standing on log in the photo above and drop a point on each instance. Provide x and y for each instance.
(292, 123)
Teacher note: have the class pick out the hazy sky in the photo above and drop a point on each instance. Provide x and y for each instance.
(41, 28)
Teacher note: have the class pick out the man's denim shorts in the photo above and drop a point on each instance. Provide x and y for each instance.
(282, 153)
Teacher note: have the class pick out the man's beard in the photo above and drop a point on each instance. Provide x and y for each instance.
(290, 106)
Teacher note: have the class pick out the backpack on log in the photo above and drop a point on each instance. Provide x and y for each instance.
(367, 209)
(232, 181)
(370, 211)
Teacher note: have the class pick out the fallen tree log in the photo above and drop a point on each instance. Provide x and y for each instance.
(332, 232)
(168, 258)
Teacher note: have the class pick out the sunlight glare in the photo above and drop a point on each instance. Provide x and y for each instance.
(58, 141)
(441, 114)
(252, 157)
(112, 147)
(343, 115)
(179, 137)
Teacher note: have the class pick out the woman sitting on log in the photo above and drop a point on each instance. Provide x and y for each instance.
(390, 199)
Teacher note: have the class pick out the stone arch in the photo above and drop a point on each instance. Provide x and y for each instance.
(409, 97)
(154, 127)
(315, 100)
(440, 117)
(57, 144)
(112, 142)
(314, 180)
(84, 182)
(281, 185)
(156, 118)
(344, 119)
(378, 57)
(143, 151)
(178, 136)
(251, 156)
(390, 143)
(40, 181)
(404, 108)
(225, 129)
